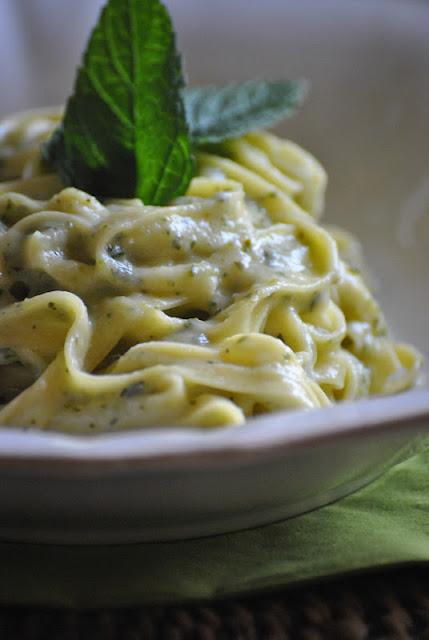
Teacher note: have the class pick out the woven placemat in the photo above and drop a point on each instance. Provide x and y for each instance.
(391, 605)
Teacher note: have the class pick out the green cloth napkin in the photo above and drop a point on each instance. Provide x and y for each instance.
(385, 523)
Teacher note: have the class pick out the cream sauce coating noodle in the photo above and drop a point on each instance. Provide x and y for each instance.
(230, 302)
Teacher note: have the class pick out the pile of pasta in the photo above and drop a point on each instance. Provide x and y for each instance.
(230, 302)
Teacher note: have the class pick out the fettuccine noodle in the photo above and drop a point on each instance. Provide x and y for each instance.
(230, 302)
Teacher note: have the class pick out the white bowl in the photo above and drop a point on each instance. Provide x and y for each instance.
(366, 119)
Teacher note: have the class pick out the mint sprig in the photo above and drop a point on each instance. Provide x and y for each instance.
(215, 114)
(129, 127)
(124, 130)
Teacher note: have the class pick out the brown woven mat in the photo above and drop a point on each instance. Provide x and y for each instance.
(389, 606)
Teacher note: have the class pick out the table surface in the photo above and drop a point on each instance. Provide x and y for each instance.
(392, 605)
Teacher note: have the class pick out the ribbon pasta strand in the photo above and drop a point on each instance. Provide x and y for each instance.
(230, 302)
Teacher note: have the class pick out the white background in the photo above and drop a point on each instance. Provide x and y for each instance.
(41, 40)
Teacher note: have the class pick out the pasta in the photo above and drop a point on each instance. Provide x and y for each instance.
(232, 301)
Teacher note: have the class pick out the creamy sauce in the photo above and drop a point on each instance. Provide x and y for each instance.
(230, 302)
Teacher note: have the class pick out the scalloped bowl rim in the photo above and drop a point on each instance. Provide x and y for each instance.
(268, 435)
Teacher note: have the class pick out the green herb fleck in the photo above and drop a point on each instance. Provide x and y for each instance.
(7, 356)
(212, 305)
(269, 257)
(135, 389)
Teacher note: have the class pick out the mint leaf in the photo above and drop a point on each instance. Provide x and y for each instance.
(124, 130)
(215, 114)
